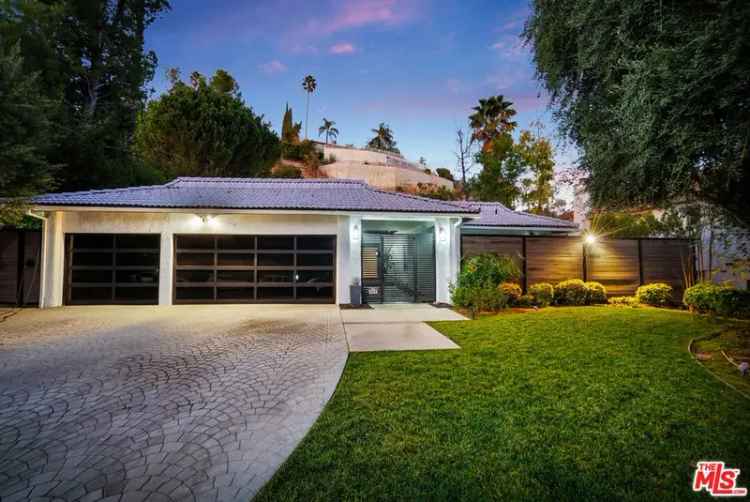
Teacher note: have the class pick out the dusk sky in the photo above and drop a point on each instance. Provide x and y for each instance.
(418, 65)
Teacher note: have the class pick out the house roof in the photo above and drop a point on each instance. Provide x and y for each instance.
(256, 193)
(494, 214)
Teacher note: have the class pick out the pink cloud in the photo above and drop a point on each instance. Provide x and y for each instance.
(272, 67)
(342, 48)
(509, 46)
(359, 13)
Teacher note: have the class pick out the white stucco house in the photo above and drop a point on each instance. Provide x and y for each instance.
(235, 240)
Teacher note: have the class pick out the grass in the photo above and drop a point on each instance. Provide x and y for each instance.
(585, 403)
(735, 342)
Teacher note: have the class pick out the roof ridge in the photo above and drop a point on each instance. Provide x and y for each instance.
(417, 197)
(544, 217)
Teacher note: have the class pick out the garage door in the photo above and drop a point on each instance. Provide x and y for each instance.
(112, 269)
(250, 268)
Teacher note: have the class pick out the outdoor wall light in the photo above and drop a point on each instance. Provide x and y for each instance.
(590, 239)
(442, 234)
(356, 233)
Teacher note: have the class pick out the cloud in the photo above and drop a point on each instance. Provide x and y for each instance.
(272, 67)
(342, 48)
(359, 13)
(510, 47)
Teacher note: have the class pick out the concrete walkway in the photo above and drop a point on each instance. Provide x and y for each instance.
(160, 403)
(396, 327)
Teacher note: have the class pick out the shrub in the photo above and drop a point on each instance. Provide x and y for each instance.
(657, 294)
(477, 285)
(571, 292)
(286, 171)
(595, 293)
(732, 302)
(299, 151)
(525, 301)
(701, 297)
(487, 270)
(511, 290)
(624, 301)
(542, 294)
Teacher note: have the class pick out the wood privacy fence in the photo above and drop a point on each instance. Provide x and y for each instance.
(19, 266)
(621, 265)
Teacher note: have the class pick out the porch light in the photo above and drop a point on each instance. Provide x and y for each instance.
(356, 233)
(590, 239)
(442, 234)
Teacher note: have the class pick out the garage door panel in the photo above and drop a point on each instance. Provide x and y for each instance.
(261, 269)
(112, 269)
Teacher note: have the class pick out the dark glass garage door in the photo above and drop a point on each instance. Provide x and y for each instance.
(112, 269)
(254, 269)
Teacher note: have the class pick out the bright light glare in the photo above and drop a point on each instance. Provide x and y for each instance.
(590, 239)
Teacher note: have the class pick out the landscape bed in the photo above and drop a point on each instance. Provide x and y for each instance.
(561, 404)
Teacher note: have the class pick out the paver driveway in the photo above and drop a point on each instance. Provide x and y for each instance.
(168, 403)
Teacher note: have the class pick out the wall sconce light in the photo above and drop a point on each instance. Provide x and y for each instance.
(356, 233)
(442, 234)
(206, 218)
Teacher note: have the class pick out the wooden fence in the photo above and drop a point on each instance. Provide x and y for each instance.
(19, 266)
(621, 265)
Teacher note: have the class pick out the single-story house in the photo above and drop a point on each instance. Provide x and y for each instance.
(232, 240)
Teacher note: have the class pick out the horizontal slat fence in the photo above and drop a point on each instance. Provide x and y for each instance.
(621, 265)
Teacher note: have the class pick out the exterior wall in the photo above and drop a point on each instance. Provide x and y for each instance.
(378, 169)
(347, 228)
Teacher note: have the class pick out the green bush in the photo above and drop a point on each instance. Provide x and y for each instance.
(511, 290)
(732, 302)
(571, 292)
(657, 294)
(595, 293)
(624, 301)
(477, 285)
(300, 151)
(525, 301)
(542, 294)
(702, 297)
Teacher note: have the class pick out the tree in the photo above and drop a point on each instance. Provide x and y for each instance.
(444, 173)
(309, 85)
(383, 139)
(501, 171)
(26, 136)
(491, 119)
(92, 64)
(200, 130)
(464, 159)
(290, 130)
(655, 97)
(422, 161)
(535, 153)
(224, 83)
(329, 129)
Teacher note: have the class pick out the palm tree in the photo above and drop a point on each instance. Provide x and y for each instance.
(327, 127)
(383, 139)
(491, 118)
(309, 85)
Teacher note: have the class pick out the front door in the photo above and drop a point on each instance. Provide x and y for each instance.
(398, 268)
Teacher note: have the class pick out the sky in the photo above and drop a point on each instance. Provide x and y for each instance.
(417, 65)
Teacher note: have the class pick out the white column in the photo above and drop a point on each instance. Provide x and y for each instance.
(444, 273)
(166, 268)
(349, 256)
(53, 261)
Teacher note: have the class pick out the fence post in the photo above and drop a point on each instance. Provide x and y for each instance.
(640, 262)
(525, 266)
(585, 262)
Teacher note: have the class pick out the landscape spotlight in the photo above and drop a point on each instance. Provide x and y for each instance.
(590, 239)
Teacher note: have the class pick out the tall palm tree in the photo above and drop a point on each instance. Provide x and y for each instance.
(327, 127)
(383, 139)
(491, 118)
(309, 85)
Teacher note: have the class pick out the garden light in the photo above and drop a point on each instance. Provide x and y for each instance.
(590, 239)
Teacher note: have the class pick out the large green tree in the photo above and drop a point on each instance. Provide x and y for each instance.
(655, 94)
(499, 179)
(91, 61)
(26, 135)
(205, 129)
(535, 154)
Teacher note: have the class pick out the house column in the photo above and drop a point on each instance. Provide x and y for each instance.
(349, 256)
(53, 261)
(166, 268)
(447, 251)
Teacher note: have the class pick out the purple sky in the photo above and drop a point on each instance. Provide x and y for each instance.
(418, 65)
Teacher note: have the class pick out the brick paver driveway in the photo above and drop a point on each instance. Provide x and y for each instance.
(169, 403)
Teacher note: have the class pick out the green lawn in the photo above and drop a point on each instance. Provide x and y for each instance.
(580, 403)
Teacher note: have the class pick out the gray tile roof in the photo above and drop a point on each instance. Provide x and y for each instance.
(256, 193)
(494, 214)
